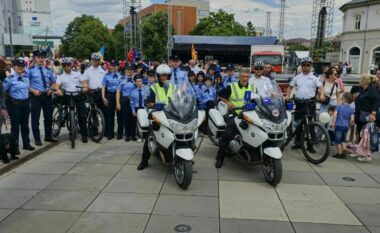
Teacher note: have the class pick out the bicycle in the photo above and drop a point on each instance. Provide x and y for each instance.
(94, 117)
(314, 135)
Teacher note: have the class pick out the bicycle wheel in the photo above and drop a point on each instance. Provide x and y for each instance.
(96, 125)
(57, 121)
(290, 136)
(73, 128)
(315, 143)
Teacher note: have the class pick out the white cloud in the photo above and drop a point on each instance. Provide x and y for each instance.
(298, 13)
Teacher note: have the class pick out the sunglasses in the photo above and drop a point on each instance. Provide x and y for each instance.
(307, 65)
(259, 68)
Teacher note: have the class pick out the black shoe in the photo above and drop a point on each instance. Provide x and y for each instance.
(295, 147)
(28, 147)
(119, 137)
(84, 140)
(127, 139)
(142, 166)
(311, 149)
(134, 139)
(14, 157)
(5, 159)
(340, 156)
(109, 138)
(218, 163)
(38, 143)
(17, 152)
(51, 140)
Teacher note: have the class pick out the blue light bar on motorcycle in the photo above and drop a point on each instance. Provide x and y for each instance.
(250, 107)
(267, 101)
(289, 106)
(159, 106)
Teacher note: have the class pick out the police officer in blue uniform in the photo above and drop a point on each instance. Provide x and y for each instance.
(110, 85)
(178, 75)
(138, 97)
(17, 87)
(41, 81)
(230, 77)
(123, 96)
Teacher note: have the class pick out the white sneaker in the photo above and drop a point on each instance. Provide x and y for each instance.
(364, 158)
(353, 155)
(139, 140)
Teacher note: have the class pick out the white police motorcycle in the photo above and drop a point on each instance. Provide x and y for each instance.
(262, 129)
(172, 129)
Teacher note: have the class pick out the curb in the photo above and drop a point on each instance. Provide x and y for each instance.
(26, 158)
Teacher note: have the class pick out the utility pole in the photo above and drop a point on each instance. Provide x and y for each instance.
(170, 27)
(10, 35)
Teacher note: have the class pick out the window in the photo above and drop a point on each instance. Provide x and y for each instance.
(357, 22)
(202, 13)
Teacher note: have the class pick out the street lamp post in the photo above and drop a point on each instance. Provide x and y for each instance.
(10, 35)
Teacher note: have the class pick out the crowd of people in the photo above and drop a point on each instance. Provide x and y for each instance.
(123, 88)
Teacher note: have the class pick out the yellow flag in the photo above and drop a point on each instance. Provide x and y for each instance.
(194, 53)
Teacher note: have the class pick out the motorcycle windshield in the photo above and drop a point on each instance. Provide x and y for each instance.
(271, 100)
(182, 102)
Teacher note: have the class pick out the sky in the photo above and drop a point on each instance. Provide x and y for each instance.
(297, 17)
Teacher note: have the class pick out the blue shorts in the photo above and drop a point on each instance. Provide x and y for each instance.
(340, 134)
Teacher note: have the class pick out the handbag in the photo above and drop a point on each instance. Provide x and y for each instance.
(364, 116)
(327, 98)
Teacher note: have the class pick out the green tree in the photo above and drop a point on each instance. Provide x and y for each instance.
(154, 36)
(219, 23)
(250, 29)
(83, 36)
(116, 43)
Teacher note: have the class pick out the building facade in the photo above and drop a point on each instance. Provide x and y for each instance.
(360, 45)
(202, 7)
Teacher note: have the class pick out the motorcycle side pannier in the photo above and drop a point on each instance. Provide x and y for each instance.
(142, 122)
(216, 124)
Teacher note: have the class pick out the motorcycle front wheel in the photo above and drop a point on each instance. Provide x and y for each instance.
(183, 172)
(272, 169)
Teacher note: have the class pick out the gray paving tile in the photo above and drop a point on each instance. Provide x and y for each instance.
(374, 229)
(299, 192)
(165, 224)
(4, 213)
(376, 177)
(369, 215)
(61, 156)
(124, 203)
(340, 166)
(238, 200)
(14, 198)
(134, 185)
(249, 226)
(46, 168)
(234, 171)
(38, 221)
(319, 212)
(61, 200)
(110, 223)
(361, 180)
(327, 228)
(87, 169)
(372, 168)
(27, 181)
(296, 165)
(204, 173)
(197, 188)
(79, 147)
(107, 158)
(122, 148)
(80, 183)
(298, 177)
(355, 195)
(197, 206)
(157, 172)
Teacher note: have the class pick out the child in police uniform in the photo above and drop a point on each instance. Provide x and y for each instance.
(138, 97)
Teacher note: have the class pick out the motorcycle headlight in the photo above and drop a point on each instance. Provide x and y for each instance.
(178, 127)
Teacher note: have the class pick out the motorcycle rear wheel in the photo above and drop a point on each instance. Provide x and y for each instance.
(183, 172)
(272, 169)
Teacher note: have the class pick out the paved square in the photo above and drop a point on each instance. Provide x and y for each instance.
(97, 188)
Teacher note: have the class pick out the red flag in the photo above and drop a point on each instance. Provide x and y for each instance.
(131, 56)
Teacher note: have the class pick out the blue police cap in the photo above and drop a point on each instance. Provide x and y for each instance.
(18, 62)
(114, 63)
(230, 67)
(39, 53)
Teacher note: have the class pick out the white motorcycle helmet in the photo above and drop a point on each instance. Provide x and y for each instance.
(163, 69)
(324, 118)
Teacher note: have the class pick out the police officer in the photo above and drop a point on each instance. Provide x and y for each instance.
(233, 96)
(263, 84)
(178, 75)
(230, 77)
(211, 71)
(306, 83)
(123, 95)
(160, 93)
(17, 87)
(138, 97)
(110, 85)
(93, 78)
(41, 81)
(70, 80)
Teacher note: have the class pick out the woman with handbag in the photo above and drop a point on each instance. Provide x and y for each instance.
(367, 105)
(331, 91)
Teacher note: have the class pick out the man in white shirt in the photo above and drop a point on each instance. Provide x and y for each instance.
(194, 66)
(263, 84)
(93, 79)
(306, 84)
(70, 80)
